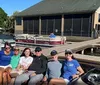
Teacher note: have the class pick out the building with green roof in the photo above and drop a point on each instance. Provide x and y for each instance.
(62, 17)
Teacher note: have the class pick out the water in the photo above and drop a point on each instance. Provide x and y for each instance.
(5, 36)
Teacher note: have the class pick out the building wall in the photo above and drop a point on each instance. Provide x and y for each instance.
(78, 25)
(73, 25)
(96, 17)
(51, 24)
(19, 28)
(96, 24)
(31, 25)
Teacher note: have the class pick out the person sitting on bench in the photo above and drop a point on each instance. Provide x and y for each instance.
(35, 71)
(54, 67)
(70, 68)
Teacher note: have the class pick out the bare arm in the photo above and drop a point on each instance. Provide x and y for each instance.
(80, 72)
(26, 67)
(18, 67)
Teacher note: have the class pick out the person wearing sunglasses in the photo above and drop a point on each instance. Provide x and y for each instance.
(71, 67)
(5, 67)
(15, 58)
(69, 70)
(35, 71)
(14, 63)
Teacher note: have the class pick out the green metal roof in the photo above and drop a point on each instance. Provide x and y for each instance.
(49, 7)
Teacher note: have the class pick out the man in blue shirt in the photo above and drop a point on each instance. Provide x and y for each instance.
(52, 35)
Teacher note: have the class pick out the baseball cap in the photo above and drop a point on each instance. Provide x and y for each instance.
(53, 52)
(16, 48)
(68, 51)
(38, 49)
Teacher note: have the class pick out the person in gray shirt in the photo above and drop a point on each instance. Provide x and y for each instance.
(54, 67)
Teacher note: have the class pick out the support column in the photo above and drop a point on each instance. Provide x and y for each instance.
(40, 25)
(62, 25)
(82, 52)
(92, 50)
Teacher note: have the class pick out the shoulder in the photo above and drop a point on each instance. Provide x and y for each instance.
(44, 57)
(12, 57)
(33, 56)
(2, 52)
(22, 57)
(30, 57)
(19, 55)
(60, 63)
(65, 61)
(12, 52)
(75, 61)
(50, 62)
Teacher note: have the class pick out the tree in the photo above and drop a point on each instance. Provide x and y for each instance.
(3, 17)
(16, 12)
(9, 24)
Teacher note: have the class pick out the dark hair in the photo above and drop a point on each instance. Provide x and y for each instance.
(73, 57)
(7, 43)
(23, 54)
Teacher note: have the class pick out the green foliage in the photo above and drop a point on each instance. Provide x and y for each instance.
(6, 22)
(3, 17)
(16, 12)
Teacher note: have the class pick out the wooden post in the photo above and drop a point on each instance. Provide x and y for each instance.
(82, 52)
(62, 25)
(40, 25)
(62, 28)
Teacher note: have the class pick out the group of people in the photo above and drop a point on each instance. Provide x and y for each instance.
(36, 67)
(62, 73)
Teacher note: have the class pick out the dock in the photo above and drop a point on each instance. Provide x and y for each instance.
(86, 59)
(75, 47)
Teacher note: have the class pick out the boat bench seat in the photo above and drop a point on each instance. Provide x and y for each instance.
(73, 81)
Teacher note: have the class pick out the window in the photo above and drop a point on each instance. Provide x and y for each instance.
(99, 18)
(18, 21)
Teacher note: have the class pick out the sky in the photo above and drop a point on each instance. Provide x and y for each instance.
(10, 6)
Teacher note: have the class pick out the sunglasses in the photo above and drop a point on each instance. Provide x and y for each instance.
(37, 51)
(7, 48)
(68, 53)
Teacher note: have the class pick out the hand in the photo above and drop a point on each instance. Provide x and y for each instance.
(33, 74)
(75, 76)
(25, 68)
(22, 66)
(17, 69)
(26, 71)
(45, 78)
